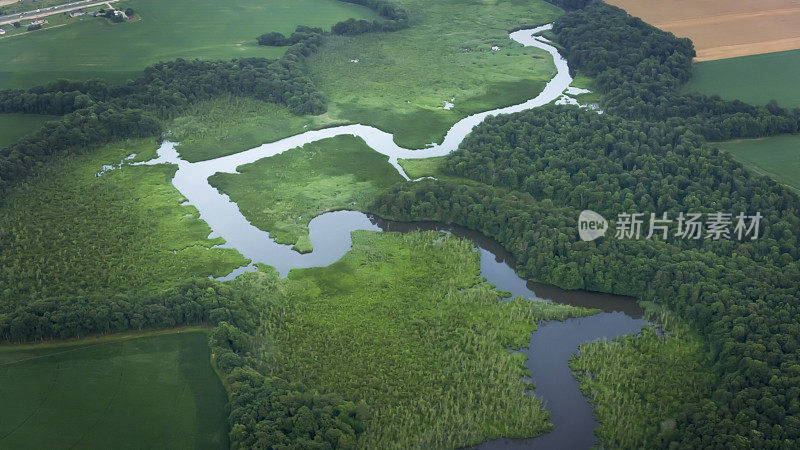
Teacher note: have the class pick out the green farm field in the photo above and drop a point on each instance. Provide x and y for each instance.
(777, 157)
(755, 79)
(14, 126)
(281, 194)
(89, 47)
(147, 390)
(399, 81)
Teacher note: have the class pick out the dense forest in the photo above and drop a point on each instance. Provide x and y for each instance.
(648, 152)
(638, 69)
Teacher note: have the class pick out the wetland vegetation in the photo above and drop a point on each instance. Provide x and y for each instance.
(400, 341)
(653, 158)
(404, 319)
(281, 194)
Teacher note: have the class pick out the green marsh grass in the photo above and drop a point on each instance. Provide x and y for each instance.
(228, 125)
(282, 193)
(405, 323)
(639, 385)
(401, 79)
(69, 232)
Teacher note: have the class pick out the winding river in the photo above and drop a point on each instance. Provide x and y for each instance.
(550, 346)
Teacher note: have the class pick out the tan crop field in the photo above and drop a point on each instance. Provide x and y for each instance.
(724, 28)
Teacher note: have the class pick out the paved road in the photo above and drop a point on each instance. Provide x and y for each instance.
(49, 11)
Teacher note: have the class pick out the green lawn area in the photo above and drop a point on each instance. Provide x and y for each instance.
(14, 126)
(404, 323)
(401, 80)
(755, 79)
(91, 47)
(153, 390)
(777, 157)
(230, 125)
(69, 232)
(281, 194)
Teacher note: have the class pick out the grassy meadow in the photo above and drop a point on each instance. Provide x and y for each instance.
(399, 81)
(147, 390)
(281, 194)
(69, 232)
(755, 79)
(230, 125)
(14, 126)
(777, 157)
(89, 47)
(405, 323)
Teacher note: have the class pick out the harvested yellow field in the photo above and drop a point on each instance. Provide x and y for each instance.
(724, 28)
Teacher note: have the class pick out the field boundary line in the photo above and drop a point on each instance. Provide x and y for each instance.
(110, 339)
(732, 17)
(754, 48)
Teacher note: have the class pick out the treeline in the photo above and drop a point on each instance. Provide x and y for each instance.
(396, 17)
(199, 301)
(741, 296)
(272, 412)
(263, 412)
(646, 153)
(301, 33)
(96, 113)
(639, 70)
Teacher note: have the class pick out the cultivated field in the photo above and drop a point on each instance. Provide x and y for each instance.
(156, 391)
(14, 126)
(90, 47)
(777, 157)
(754, 79)
(724, 29)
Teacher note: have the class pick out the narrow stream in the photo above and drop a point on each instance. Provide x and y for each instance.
(550, 345)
